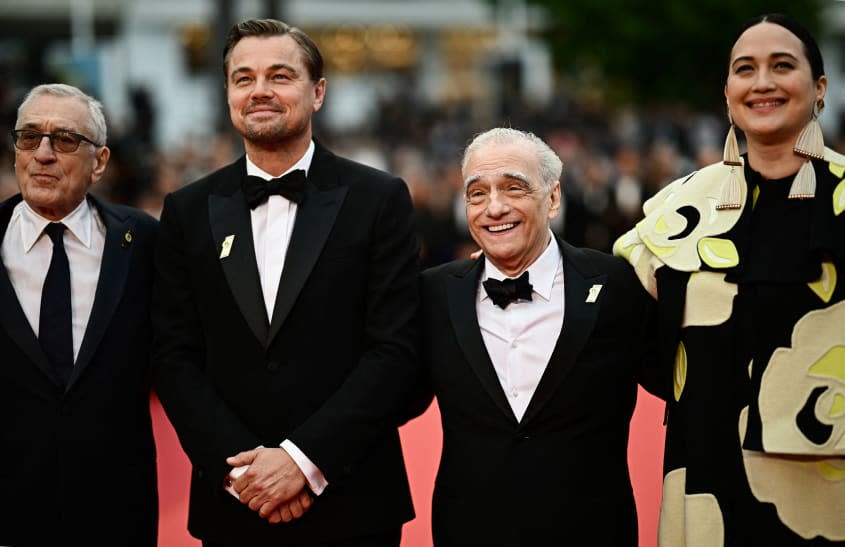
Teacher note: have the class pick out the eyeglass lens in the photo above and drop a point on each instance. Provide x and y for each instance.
(62, 141)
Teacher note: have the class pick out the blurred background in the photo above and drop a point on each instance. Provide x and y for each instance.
(628, 92)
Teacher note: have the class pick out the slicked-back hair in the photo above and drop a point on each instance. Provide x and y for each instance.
(549, 164)
(96, 117)
(271, 27)
(811, 48)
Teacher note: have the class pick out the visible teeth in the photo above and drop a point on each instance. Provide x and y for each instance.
(501, 227)
(767, 104)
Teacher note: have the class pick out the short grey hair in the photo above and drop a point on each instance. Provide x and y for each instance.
(549, 164)
(96, 117)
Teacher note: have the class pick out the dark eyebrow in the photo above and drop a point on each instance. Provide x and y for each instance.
(283, 66)
(272, 68)
(239, 70)
(775, 55)
(784, 54)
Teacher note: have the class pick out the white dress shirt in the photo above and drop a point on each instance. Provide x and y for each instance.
(520, 338)
(27, 251)
(272, 226)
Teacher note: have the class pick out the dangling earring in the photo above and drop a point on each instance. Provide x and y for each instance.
(729, 195)
(810, 145)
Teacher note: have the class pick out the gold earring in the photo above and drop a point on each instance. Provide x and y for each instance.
(810, 145)
(729, 194)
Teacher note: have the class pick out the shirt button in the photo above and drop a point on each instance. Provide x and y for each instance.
(514, 344)
(514, 393)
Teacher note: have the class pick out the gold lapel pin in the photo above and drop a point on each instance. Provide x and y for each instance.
(226, 248)
(594, 294)
(127, 239)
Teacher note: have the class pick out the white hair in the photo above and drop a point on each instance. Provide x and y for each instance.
(96, 118)
(548, 163)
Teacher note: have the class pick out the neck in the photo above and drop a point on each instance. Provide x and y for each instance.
(276, 158)
(774, 161)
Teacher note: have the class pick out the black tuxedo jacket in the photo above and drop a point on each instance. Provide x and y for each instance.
(329, 371)
(77, 465)
(560, 475)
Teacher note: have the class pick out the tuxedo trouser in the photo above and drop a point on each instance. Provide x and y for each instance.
(388, 539)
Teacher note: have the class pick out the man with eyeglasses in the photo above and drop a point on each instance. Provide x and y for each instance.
(77, 457)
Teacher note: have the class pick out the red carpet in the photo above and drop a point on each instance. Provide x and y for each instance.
(421, 440)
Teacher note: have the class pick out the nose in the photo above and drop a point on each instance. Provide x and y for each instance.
(45, 153)
(764, 80)
(262, 88)
(498, 204)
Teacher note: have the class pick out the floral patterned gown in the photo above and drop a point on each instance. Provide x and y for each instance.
(752, 334)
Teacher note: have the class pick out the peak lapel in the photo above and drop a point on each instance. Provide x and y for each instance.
(462, 291)
(229, 218)
(578, 321)
(315, 217)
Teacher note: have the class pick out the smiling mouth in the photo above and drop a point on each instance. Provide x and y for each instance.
(772, 103)
(261, 111)
(502, 227)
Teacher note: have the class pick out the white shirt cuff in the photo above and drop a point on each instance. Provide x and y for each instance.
(316, 481)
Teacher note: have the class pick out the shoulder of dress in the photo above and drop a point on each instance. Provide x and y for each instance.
(832, 156)
(682, 227)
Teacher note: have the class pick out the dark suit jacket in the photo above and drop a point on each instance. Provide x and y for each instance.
(77, 465)
(328, 372)
(559, 476)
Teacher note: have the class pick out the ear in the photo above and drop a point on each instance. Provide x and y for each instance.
(554, 196)
(821, 87)
(101, 159)
(319, 94)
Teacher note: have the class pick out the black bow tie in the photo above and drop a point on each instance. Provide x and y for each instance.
(290, 186)
(508, 290)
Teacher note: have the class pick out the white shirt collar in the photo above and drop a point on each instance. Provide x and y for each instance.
(541, 273)
(304, 163)
(78, 223)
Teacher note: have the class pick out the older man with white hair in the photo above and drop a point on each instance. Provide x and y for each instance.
(534, 352)
(77, 457)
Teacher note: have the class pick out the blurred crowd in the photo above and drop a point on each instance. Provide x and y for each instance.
(613, 161)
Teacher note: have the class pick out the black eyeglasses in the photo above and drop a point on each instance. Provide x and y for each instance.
(61, 141)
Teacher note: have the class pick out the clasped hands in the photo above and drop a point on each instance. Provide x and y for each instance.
(273, 485)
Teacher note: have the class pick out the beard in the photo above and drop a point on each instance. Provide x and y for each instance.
(274, 130)
(266, 134)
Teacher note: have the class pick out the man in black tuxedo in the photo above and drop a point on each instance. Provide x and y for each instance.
(77, 457)
(285, 337)
(534, 353)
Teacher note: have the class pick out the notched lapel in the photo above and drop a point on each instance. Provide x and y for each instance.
(17, 326)
(229, 216)
(315, 217)
(13, 319)
(578, 321)
(114, 269)
(461, 292)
